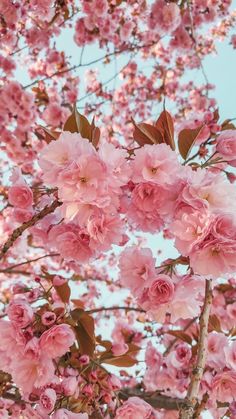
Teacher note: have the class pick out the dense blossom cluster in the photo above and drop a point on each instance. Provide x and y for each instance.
(98, 319)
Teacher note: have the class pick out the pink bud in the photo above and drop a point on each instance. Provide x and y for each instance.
(84, 359)
(48, 318)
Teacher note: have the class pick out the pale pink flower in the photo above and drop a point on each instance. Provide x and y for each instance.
(153, 358)
(20, 196)
(69, 385)
(136, 408)
(226, 146)
(216, 346)
(224, 386)
(155, 163)
(104, 230)
(186, 301)
(31, 373)
(156, 292)
(57, 340)
(215, 254)
(190, 228)
(136, 267)
(20, 313)
(61, 153)
(230, 355)
(48, 399)
(67, 414)
(71, 241)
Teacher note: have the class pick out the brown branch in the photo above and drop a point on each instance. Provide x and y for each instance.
(9, 269)
(104, 57)
(20, 230)
(187, 411)
(97, 310)
(155, 399)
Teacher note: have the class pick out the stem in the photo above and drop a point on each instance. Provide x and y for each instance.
(187, 411)
(97, 310)
(20, 230)
(9, 269)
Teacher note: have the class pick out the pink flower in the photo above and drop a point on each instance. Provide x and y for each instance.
(186, 301)
(66, 414)
(48, 399)
(153, 358)
(136, 408)
(155, 163)
(165, 18)
(230, 355)
(31, 373)
(71, 241)
(70, 385)
(215, 254)
(216, 346)
(190, 228)
(57, 340)
(104, 230)
(20, 313)
(226, 146)
(181, 356)
(136, 267)
(61, 153)
(224, 386)
(156, 292)
(20, 196)
(48, 318)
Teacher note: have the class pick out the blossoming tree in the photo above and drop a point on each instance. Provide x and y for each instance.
(96, 320)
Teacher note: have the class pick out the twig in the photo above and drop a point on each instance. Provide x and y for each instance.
(20, 230)
(9, 269)
(97, 310)
(187, 410)
(97, 60)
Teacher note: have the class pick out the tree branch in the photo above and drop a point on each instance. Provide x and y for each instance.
(155, 399)
(9, 269)
(97, 310)
(20, 230)
(187, 411)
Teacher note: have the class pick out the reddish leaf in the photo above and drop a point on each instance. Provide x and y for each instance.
(214, 323)
(84, 331)
(146, 134)
(186, 140)
(166, 126)
(121, 361)
(227, 124)
(50, 135)
(179, 334)
(64, 292)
